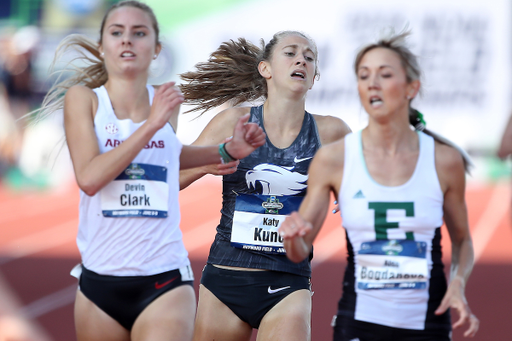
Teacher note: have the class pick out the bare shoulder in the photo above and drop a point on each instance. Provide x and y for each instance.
(77, 91)
(227, 118)
(448, 158)
(449, 166)
(233, 113)
(80, 97)
(331, 128)
(327, 167)
(332, 154)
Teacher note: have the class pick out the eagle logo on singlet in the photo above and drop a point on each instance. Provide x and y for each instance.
(276, 180)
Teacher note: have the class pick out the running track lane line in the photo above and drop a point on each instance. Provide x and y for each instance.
(496, 209)
(40, 241)
(66, 232)
(13, 316)
(195, 239)
(26, 246)
(50, 302)
(325, 248)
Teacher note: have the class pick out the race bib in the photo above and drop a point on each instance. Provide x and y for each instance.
(392, 264)
(141, 190)
(257, 219)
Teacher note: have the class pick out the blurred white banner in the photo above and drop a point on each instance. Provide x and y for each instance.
(463, 47)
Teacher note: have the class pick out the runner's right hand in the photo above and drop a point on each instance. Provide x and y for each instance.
(166, 104)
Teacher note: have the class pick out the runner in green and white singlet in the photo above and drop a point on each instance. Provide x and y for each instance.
(395, 186)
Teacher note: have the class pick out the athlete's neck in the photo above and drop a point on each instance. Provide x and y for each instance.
(284, 113)
(282, 121)
(129, 98)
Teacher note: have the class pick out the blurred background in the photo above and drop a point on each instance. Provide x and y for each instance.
(465, 51)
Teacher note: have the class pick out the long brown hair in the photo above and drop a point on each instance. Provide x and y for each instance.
(231, 73)
(93, 74)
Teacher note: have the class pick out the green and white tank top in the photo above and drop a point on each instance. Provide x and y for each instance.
(391, 231)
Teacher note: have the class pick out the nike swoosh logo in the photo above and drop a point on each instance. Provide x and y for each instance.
(160, 286)
(273, 291)
(296, 160)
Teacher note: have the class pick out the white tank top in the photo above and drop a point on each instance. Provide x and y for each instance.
(131, 226)
(391, 231)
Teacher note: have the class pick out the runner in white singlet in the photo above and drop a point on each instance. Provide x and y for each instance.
(394, 186)
(135, 281)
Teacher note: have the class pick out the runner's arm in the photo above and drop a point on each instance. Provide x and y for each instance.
(451, 173)
(218, 130)
(301, 228)
(246, 138)
(331, 128)
(93, 170)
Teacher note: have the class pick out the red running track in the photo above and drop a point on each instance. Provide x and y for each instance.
(37, 251)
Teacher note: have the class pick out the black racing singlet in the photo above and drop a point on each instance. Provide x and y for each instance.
(268, 185)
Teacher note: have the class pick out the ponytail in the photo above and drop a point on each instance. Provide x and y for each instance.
(417, 121)
(230, 74)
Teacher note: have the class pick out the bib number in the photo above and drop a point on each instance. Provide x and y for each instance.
(141, 190)
(257, 219)
(392, 264)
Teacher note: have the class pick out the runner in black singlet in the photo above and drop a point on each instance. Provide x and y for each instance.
(248, 281)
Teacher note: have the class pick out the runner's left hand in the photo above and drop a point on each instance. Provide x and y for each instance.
(455, 298)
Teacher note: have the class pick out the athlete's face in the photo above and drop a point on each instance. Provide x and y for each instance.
(292, 64)
(382, 84)
(129, 42)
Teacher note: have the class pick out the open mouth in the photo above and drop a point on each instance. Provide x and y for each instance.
(127, 54)
(300, 74)
(375, 101)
